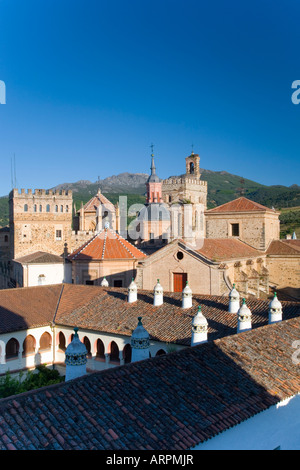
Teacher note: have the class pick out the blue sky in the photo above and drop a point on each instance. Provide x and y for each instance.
(91, 84)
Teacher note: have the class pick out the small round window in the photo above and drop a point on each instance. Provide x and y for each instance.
(179, 255)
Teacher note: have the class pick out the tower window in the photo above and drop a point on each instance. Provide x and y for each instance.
(25, 207)
(192, 168)
(235, 230)
(58, 235)
(48, 208)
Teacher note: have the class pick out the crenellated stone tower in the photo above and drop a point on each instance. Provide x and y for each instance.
(40, 220)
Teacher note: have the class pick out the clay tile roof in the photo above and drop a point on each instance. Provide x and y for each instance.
(107, 244)
(170, 402)
(242, 204)
(107, 310)
(28, 307)
(226, 249)
(40, 257)
(96, 201)
(284, 247)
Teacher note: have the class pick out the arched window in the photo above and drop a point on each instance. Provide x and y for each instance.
(161, 352)
(34, 208)
(100, 350)
(12, 349)
(56, 208)
(127, 353)
(61, 208)
(28, 345)
(41, 208)
(48, 208)
(87, 344)
(25, 207)
(114, 353)
(61, 341)
(67, 208)
(45, 341)
(192, 168)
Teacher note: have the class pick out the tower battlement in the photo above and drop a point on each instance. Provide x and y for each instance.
(36, 193)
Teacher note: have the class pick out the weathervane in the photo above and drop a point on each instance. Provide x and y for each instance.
(152, 148)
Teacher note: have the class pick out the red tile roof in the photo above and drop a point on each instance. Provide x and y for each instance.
(93, 204)
(40, 257)
(171, 402)
(284, 247)
(107, 244)
(221, 249)
(106, 309)
(242, 204)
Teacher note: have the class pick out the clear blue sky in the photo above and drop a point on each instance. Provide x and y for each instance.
(91, 84)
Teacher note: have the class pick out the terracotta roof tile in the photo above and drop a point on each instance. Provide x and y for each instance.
(241, 204)
(214, 386)
(107, 244)
(106, 309)
(284, 247)
(40, 257)
(222, 249)
(96, 201)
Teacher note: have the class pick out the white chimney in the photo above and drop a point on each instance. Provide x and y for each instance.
(275, 310)
(234, 300)
(244, 318)
(75, 358)
(104, 282)
(158, 294)
(132, 292)
(187, 297)
(199, 328)
(140, 343)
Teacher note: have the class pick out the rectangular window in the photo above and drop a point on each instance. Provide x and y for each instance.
(118, 283)
(235, 230)
(58, 235)
(89, 283)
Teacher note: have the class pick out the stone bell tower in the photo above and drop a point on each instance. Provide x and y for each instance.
(192, 163)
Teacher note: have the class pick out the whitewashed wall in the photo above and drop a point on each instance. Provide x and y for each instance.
(278, 426)
(57, 356)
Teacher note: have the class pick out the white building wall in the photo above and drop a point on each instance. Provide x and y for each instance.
(276, 427)
(45, 274)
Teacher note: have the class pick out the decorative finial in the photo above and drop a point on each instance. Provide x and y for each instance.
(76, 332)
(140, 321)
(192, 149)
(244, 301)
(152, 149)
